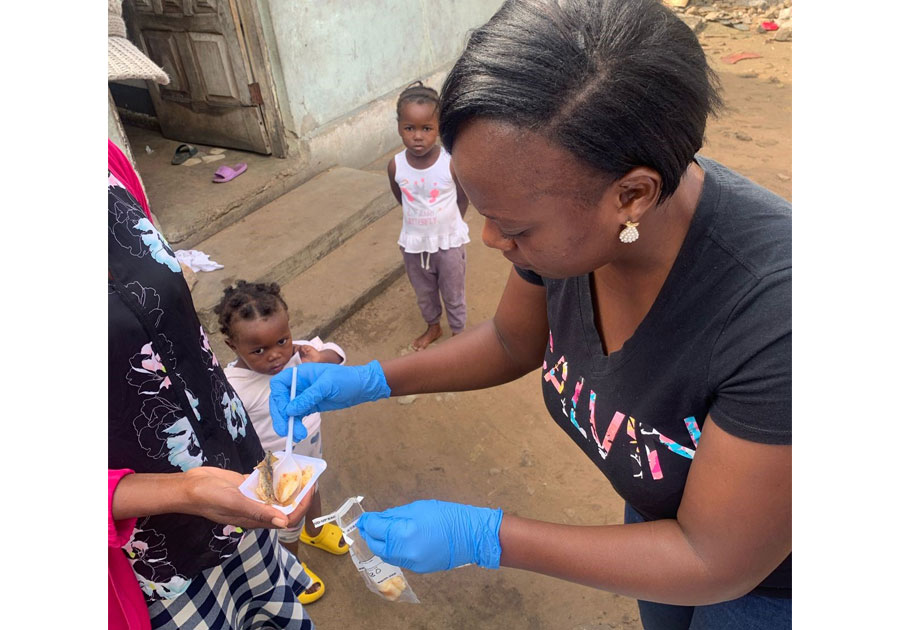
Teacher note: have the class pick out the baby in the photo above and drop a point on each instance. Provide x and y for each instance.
(254, 319)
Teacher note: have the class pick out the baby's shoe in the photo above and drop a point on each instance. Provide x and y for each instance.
(330, 539)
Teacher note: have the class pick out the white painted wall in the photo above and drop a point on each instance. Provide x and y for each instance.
(337, 56)
(339, 66)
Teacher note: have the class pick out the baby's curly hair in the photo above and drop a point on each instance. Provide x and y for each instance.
(418, 92)
(248, 301)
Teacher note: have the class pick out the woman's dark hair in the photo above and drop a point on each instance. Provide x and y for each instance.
(418, 92)
(248, 301)
(619, 83)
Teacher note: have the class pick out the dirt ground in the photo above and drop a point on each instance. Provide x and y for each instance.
(498, 447)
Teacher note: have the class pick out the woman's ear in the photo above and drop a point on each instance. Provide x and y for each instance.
(637, 192)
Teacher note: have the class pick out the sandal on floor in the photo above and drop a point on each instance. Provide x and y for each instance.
(227, 173)
(328, 539)
(183, 153)
(308, 598)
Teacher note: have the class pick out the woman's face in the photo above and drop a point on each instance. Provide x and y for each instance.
(544, 210)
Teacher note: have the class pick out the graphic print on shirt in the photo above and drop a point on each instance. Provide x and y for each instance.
(146, 551)
(575, 396)
(133, 230)
(643, 441)
(419, 189)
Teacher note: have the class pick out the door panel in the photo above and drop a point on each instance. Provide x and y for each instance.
(218, 82)
(205, 6)
(197, 43)
(162, 47)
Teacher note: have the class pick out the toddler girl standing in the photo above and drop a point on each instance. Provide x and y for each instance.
(434, 234)
(254, 319)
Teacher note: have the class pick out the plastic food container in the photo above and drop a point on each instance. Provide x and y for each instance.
(248, 488)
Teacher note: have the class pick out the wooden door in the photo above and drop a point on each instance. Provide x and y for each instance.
(212, 97)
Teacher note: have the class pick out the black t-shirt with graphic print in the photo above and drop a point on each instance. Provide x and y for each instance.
(717, 342)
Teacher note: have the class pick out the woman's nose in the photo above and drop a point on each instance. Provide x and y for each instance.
(493, 238)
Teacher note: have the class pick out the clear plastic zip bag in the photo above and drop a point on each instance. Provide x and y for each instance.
(382, 578)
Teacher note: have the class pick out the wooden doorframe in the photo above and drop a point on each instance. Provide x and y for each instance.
(247, 16)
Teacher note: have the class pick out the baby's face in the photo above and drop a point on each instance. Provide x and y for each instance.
(264, 344)
(418, 127)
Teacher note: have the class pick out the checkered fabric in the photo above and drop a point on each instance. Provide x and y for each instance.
(255, 588)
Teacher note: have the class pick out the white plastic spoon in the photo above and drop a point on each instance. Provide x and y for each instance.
(286, 464)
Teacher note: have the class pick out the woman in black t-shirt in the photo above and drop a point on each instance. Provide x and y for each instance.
(652, 286)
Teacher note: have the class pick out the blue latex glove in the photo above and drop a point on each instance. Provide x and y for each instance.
(428, 536)
(323, 387)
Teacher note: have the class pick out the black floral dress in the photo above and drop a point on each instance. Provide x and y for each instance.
(171, 409)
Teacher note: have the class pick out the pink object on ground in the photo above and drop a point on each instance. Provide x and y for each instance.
(734, 58)
(227, 173)
(127, 608)
(769, 26)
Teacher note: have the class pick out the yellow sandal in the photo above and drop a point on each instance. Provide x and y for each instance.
(308, 598)
(328, 539)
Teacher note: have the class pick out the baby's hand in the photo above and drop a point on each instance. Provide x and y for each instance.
(308, 354)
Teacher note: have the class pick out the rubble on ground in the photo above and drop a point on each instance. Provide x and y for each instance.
(742, 15)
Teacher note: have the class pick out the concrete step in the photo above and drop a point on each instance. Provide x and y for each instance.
(288, 235)
(338, 285)
(329, 292)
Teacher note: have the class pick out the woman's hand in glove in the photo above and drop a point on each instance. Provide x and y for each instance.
(428, 536)
(323, 387)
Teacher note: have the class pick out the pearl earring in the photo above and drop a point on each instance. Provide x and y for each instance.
(629, 233)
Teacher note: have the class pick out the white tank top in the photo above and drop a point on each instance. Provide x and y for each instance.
(431, 218)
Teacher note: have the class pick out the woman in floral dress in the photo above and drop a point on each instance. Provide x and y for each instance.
(180, 444)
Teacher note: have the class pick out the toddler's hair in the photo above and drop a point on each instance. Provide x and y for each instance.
(418, 92)
(248, 301)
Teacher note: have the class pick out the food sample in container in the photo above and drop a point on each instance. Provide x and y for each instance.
(265, 489)
(380, 577)
(392, 588)
(287, 486)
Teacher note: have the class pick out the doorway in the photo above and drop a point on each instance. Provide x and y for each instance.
(220, 91)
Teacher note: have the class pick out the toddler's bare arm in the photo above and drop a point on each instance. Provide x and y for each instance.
(395, 188)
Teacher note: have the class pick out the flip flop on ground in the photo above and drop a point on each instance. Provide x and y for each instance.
(183, 153)
(227, 173)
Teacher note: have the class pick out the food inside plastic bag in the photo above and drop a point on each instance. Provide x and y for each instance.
(380, 577)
